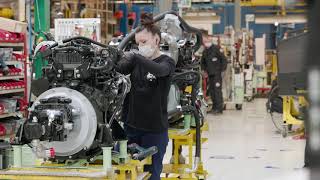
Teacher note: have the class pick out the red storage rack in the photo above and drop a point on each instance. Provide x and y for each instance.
(16, 81)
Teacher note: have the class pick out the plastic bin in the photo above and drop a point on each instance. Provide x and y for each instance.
(10, 105)
(7, 54)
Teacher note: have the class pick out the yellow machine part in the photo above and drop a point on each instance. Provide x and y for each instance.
(267, 3)
(6, 13)
(175, 171)
(290, 112)
(188, 89)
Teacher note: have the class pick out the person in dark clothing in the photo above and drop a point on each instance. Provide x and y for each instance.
(213, 63)
(146, 122)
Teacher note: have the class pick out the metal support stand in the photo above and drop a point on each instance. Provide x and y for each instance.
(107, 164)
(123, 157)
(175, 170)
(17, 156)
(187, 121)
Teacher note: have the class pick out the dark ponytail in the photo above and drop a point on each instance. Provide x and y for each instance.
(148, 24)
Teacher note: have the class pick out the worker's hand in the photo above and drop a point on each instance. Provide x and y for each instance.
(129, 55)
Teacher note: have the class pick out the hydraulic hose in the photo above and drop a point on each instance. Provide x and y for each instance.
(78, 49)
(86, 39)
(269, 107)
(159, 17)
(198, 129)
(75, 38)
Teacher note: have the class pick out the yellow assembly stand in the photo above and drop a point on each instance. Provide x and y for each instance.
(133, 170)
(291, 114)
(177, 171)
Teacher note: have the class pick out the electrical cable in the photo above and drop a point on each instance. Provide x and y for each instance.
(270, 111)
(127, 85)
(275, 124)
(85, 39)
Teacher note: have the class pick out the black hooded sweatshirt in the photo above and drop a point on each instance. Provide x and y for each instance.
(146, 107)
(213, 61)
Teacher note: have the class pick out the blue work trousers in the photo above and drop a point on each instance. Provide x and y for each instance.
(149, 139)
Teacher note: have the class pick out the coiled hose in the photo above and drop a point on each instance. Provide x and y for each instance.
(192, 78)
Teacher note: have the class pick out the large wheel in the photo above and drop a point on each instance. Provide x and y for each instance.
(85, 124)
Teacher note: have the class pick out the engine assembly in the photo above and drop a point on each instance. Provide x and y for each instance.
(74, 123)
(77, 113)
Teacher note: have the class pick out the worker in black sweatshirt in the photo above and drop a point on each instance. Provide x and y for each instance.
(146, 115)
(213, 63)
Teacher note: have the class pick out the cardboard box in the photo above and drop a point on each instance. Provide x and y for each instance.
(12, 25)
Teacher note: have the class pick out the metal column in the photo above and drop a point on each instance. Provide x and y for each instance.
(162, 6)
(41, 24)
(313, 67)
(237, 15)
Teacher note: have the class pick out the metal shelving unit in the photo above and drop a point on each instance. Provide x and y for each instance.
(12, 91)
(14, 62)
(21, 48)
(11, 77)
(10, 44)
(9, 115)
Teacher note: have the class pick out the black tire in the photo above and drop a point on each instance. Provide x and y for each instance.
(239, 107)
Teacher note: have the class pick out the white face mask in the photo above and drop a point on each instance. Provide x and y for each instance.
(208, 44)
(147, 51)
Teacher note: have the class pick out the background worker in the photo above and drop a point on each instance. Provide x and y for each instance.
(146, 122)
(213, 63)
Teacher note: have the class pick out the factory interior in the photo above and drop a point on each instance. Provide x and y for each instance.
(160, 89)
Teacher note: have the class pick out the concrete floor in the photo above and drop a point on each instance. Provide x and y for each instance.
(244, 145)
